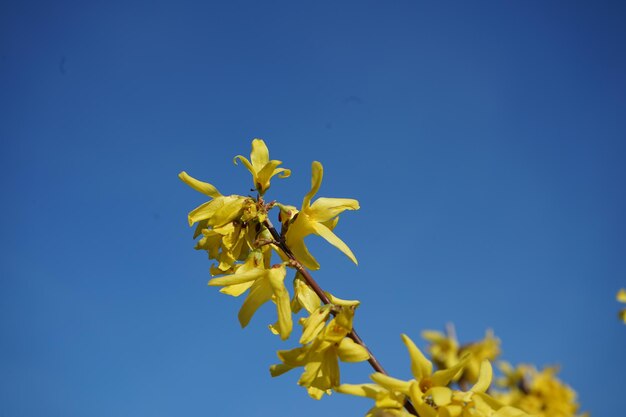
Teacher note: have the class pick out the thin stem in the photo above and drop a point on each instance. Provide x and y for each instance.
(280, 242)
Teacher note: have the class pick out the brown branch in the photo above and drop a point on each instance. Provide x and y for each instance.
(280, 242)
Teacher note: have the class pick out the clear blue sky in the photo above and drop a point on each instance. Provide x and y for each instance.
(486, 142)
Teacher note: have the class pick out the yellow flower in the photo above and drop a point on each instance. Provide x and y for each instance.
(265, 285)
(444, 348)
(218, 211)
(430, 393)
(539, 393)
(488, 348)
(260, 166)
(428, 390)
(323, 350)
(318, 218)
(226, 223)
(621, 297)
(303, 296)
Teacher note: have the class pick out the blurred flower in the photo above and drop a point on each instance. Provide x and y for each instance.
(539, 393)
(443, 348)
(621, 297)
(488, 348)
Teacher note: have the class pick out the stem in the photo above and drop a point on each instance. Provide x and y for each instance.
(280, 242)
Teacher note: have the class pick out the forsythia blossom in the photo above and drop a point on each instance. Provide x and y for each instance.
(324, 345)
(260, 166)
(265, 284)
(318, 218)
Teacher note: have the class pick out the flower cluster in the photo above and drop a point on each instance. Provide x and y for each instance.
(434, 393)
(237, 234)
(540, 393)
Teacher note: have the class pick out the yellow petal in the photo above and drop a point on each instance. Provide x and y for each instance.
(324, 209)
(303, 255)
(230, 210)
(416, 395)
(316, 393)
(350, 351)
(204, 211)
(509, 412)
(484, 377)
(203, 187)
(488, 400)
(294, 357)
(330, 370)
(311, 369)
(340, 326)
(441, 396)
(391, 383)
(304, 296)
(259, 155)
(314, 324)
(276, 278)
(433, 336)
(279, 369)
(425, 410)
(246, 163)
(332, 223)
(340, 302)
(360, 390)
(316, 180)
(443, 377)
(264, 175)
(621, 295)
(282, 172)
(451, 411)
(237, 289)
(201, 225)
(420, 366)
(260, 293)
(332, 238)
(237, 278)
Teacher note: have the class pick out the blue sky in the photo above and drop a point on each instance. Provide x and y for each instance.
(485, 142)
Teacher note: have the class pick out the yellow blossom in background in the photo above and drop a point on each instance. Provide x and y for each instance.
(325, 346)
(539, 393)
(260, 166)
(488, 348)
(621, 297)
(443, 348)
(318, 218)
(445, 351)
